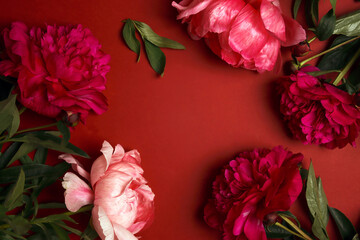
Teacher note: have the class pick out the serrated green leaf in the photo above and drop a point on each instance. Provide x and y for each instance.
(348, 25)
(14, 197)
(338, 58)
(65, 132)
(130, 39)
(9, 175)
(8, 154)
(148, 34)
(50, 141)
(155, 56)
(326, 26)
(24, 149)
(345, 227)
(296, 8)
(20, 225)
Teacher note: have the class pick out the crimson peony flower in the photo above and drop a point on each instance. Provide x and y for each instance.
(123, 203)
(59, 69)
(252, 186)
(318, 112)
(244, 33)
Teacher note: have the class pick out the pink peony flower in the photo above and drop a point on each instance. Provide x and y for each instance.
(318, 112)
(244, 33)
(59, 69)
(123, 203)
(252, 186)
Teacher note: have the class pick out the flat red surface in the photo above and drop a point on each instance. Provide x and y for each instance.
(189, 123)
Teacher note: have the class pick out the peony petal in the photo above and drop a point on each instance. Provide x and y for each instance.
(102, 224)
(76, 165)
(268, 55)
(295, 33)
(273, 20)
(107, 150)
(123, 234)
(188, 8)
(254, 229)
(248, 34)
(77, 193)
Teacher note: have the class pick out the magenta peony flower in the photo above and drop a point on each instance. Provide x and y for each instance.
(243, 33)
(123, 203)
(317, 112)
(252, 186)
(59, 69)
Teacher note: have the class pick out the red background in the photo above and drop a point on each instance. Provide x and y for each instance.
(192, 121)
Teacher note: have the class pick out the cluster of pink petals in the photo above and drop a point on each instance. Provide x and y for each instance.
(123, 202)
(244, 33)
(318, 112)
(255, 184)
(58, 69)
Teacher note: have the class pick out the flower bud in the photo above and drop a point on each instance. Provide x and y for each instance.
(71, 119)
(270, 219)
(301, 49)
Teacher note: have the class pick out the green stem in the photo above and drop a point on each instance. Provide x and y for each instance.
(328, 50)
(22, 109)
(288, 230)
(301, 232)
(36, 128)
(347, 68)
(311, 40)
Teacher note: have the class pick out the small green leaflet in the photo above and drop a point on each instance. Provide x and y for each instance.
(348, 25)
(14, 197)
(152, 42)
(9, 116)
(296, 8)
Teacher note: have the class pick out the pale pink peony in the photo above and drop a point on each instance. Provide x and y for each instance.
(58, 69)
(123, 202)
(244, 33)
(318, 112)
(254, 185)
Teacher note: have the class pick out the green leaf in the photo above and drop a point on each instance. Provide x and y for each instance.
(60, 232)
(348, 25)
(20, 225)
(290, 215)
(312, 12)
(333, 4)
(50, 141)
(130, 39)
(156, 57)
(319, 73)
(9, 175)
(356, 237)
(274, 231)
(53, 218)
(296, 8)
(353, 81)
(24, 149)
(52, 205)
(148, 34)
(40, 155)
(9, 115)
(326, 26)
(70, 229)
(14, 197)
(346, 229)
(17, 236)
(338, 58)
(56, 172)
(8, 154)
(89, 233)
(65, 132)
(317, 203)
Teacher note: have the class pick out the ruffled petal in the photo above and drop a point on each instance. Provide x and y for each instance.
(77, 193)
(76, 165)
(122, 233)
(187, 8)
(102, 224)
(273, 20)
(295, 33)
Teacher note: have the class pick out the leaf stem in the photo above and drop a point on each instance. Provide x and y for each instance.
(346, 68)
(328, 50)
(305, 236)
(36, 128)
(311, 40)
(288, 230)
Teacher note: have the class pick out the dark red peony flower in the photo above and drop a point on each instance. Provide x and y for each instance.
(255, 184)
(318, 112)
(59, 69)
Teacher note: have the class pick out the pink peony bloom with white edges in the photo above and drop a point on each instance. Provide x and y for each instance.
(123, 202)
(244, 33)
